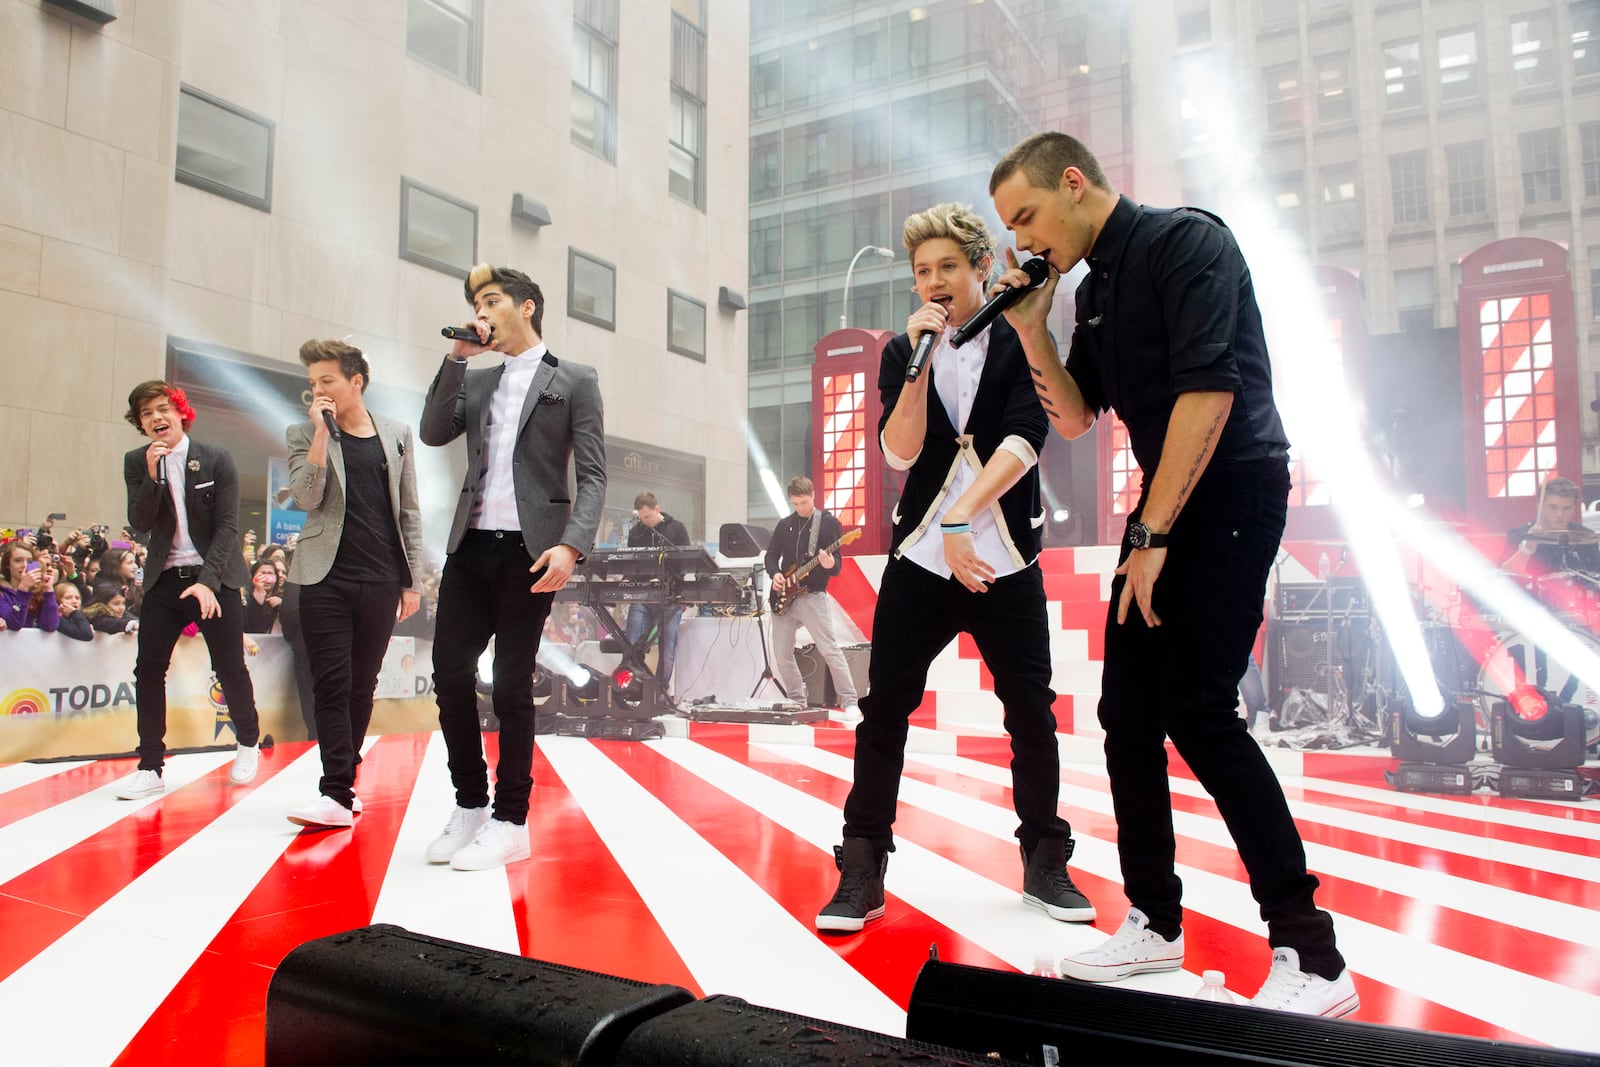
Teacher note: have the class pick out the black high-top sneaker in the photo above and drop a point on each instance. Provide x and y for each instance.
(859, 898)
(1046, 883)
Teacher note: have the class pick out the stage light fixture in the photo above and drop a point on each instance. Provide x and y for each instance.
(1539, 741)
(583, 684)
(626, 684)
(542, 685)
(1433, 750)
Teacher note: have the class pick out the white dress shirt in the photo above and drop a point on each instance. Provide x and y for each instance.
(183, 553)
(496, 505)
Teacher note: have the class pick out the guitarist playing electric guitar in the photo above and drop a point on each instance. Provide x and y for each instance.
(800, 561)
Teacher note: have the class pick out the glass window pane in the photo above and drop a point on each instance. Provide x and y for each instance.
(444, 35)
(437, 231)
(591, 290)
(224, 150)
(686, 325)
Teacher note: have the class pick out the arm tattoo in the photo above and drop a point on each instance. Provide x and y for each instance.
(1194, 469)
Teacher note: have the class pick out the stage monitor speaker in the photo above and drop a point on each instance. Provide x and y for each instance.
(384, 996)
(1050, 1020)
(818, 679)
(1297, 654)
(738, 540)
(724, 1031)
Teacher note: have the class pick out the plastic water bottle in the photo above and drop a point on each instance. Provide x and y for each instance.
(1214, 987)
(1044, 966)
(1323, 566)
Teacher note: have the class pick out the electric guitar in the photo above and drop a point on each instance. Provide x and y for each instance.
(792, 589)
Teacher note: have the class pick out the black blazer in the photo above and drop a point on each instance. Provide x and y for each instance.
(211, 498)
(1006, 405)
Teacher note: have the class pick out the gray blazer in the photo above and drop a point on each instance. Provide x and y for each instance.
(561, 432)
(319, 492)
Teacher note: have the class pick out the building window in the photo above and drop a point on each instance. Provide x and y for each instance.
(1465, 178)
(1458, 65)
(1290, 200)
(1335, 101)
(766, 166)
(1278, 14)
(1541, 166)
(1413, 298)
(1408, 177)
(437, 230)
(594, 77)
(1194, 21)
(766, 249)
(1339, 210)
(766, 83)
(447, 35)
(1402, 75)
(1585, 16)
(686, 113)
(1532, 58)
(591, 290)
(224, 149)
(1283, 97)
(1589, 139)
(1594, 282)
(686, 326)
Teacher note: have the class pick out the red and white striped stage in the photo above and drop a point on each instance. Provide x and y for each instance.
(146, 932)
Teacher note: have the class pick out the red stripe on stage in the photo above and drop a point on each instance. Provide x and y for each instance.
(573, 903)
(73, 883)
(791, 870)
(217, 1013)
(69, 784)
(855, 595)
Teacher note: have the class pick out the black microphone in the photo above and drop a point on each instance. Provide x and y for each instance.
(462, 333)
(1037, 271)
(920, 356)
(333, 427)
(161, 471)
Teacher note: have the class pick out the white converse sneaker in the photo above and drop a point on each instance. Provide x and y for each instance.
(245, 762)
(1134, 949)
(852, 713)
(141, 784)
(325, 813)
(457, 833)
(355, 804)
(1288, 988)
(496, 845)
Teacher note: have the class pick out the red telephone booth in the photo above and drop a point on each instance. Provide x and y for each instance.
(851, 478)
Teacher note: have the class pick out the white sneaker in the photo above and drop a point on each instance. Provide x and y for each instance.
(355, 804)
(852, 713)
(323, 813)
(1134, 949)
(1288, 988)
(245, 762)
(141, 784)
(496, 845)
(457, 833)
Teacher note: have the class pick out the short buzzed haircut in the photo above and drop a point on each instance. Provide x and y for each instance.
(1564, 488)
(799, 485)
(515, 284)
(645, 499)
(350, 358)
(1044, 157)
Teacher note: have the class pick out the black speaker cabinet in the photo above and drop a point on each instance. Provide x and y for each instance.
(384, 996)
(725, 1031)
(820, 692)
(1297, 654)
(1055, 1020)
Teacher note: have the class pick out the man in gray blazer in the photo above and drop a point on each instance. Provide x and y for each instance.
(531, 423)
(185, 494)
(357, 562)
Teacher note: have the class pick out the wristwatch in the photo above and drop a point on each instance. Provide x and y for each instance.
(1141, 536)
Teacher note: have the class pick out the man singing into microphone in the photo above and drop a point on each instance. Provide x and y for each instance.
(530, 421)
(185, 494)
(1168, 335)
(964, 557)
(357, 561)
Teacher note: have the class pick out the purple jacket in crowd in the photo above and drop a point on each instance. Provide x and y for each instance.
(14, 605)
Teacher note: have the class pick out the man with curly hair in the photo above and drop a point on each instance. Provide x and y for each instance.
(185, 495)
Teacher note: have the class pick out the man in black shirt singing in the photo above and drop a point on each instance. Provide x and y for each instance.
(1168, 335)
(656, 529)
(357, 563)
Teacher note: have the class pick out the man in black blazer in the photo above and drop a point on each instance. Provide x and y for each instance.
(964, 557)
(532, 423)
(185, 495)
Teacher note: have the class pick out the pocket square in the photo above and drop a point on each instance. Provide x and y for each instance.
(552, 398)
(206, 485)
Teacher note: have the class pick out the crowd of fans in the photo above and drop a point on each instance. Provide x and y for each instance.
(90, 581)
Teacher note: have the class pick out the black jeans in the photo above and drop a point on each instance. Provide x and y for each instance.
(162, 618)
(918, 613)
(289, 617)
(347, 626)
(483, 593)
(1180, 680)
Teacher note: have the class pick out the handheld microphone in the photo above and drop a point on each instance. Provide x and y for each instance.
(1037, 271)
(333, 427)
(462, 333)
(920, 356)
(161, 472)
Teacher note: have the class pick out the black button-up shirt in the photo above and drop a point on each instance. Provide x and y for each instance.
(1168, 307)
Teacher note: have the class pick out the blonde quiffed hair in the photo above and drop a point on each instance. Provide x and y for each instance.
(959, 223)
